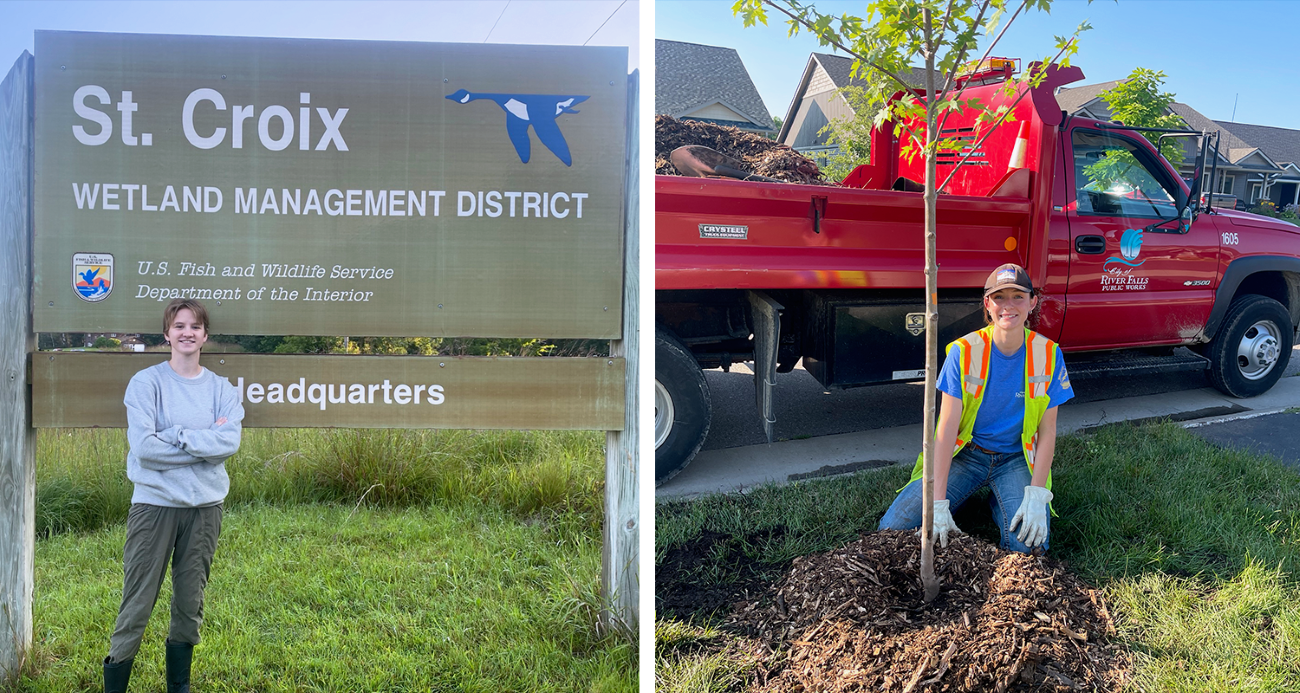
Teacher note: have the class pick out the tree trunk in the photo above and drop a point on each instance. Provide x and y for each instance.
(929, 582)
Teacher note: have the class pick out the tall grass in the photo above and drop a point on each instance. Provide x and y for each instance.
(81, 482)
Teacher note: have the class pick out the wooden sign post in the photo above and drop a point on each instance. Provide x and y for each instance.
(619, 562)
(17, 342)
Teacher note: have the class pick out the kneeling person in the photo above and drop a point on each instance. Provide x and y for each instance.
(997, 422)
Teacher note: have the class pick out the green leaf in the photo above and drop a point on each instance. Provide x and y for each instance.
(752, 12)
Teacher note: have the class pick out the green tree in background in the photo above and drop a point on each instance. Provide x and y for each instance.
(1138, 101)
(307, 345)
(776, 128)
(60, 340)
(418, 346)
(850, 135)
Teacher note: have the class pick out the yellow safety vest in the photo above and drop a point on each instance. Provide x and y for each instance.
(1040, 368)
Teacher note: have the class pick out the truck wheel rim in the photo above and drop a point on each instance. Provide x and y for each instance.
(663, 414)
(1259, 350)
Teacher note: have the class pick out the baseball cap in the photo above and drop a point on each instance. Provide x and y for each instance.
(1007, 275)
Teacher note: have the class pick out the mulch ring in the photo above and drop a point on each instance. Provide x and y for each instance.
(852, 619)
(757, 153)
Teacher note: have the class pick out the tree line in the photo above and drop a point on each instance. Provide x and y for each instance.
(414, 346)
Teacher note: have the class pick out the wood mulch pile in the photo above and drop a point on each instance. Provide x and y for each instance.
(758, 154)
(852, 620)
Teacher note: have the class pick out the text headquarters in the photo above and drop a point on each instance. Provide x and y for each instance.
(321, 394)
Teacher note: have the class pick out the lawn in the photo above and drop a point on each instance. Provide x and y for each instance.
(348, 561)
(1197, 549)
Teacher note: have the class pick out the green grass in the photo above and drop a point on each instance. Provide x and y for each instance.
(348, 561)
(318, 598)
(81, 479)
(692, 657)
(1198, 549)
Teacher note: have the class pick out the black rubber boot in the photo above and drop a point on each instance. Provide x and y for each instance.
(178, 666)
(117, 675)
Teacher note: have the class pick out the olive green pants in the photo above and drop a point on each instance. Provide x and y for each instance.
(154, 534)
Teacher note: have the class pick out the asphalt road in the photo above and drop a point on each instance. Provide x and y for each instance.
(805, 410)
(1273, 434)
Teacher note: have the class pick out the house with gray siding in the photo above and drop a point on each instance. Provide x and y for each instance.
(1279, 146)
(707, 83)
(818, 101)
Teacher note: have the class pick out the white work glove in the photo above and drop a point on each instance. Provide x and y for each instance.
(1032, 516)
(943, 523)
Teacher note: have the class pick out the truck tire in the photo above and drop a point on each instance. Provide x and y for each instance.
(682, 407)
(1252, 348)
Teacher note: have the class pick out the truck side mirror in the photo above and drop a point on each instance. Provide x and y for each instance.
(1192, 205)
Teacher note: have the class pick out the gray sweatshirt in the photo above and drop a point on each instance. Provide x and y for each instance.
(177, 455)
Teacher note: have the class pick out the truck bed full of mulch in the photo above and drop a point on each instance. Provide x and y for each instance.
(851, 619)
(758, 154)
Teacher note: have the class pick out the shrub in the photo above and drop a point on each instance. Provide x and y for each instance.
(107, 343)
(1265, 207)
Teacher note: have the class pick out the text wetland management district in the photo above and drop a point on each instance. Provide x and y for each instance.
(118, 197)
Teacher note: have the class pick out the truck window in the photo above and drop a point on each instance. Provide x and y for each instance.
(1113, 177)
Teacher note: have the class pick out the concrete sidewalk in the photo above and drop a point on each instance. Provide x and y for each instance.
(1206, 411)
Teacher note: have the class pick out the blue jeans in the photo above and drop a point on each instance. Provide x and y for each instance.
(1006, 474)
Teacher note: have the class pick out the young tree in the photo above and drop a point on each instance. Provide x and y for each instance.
(943, 33)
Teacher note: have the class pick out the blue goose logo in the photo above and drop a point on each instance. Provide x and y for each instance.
(538, 111)
(1130, 244)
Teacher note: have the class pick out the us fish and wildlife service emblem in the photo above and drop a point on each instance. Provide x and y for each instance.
(92, 276)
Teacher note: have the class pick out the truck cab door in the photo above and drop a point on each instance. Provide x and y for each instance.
(1134, 280)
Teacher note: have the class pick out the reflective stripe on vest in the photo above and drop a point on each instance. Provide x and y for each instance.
(974, 351)
(1040, 367)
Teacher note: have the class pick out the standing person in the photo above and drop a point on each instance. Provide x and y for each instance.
(183, 421)
(1000, 386)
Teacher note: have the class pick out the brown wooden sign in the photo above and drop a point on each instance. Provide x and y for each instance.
(72, 390)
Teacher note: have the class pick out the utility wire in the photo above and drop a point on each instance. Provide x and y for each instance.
(498, 21)
(602, 24)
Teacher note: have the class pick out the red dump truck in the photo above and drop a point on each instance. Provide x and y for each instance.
(1129, 264)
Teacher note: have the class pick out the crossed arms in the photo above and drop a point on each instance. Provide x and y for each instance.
(174, 447)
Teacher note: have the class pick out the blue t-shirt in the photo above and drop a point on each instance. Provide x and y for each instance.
(1001, 417)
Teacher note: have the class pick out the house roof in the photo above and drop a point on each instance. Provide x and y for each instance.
(689, 76)
(1281, 144)
(1071, 100)
(840, 70)
(1232, 148)
(1237, 141)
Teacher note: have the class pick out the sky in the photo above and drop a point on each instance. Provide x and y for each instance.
(571, 22)
(1213, 53)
